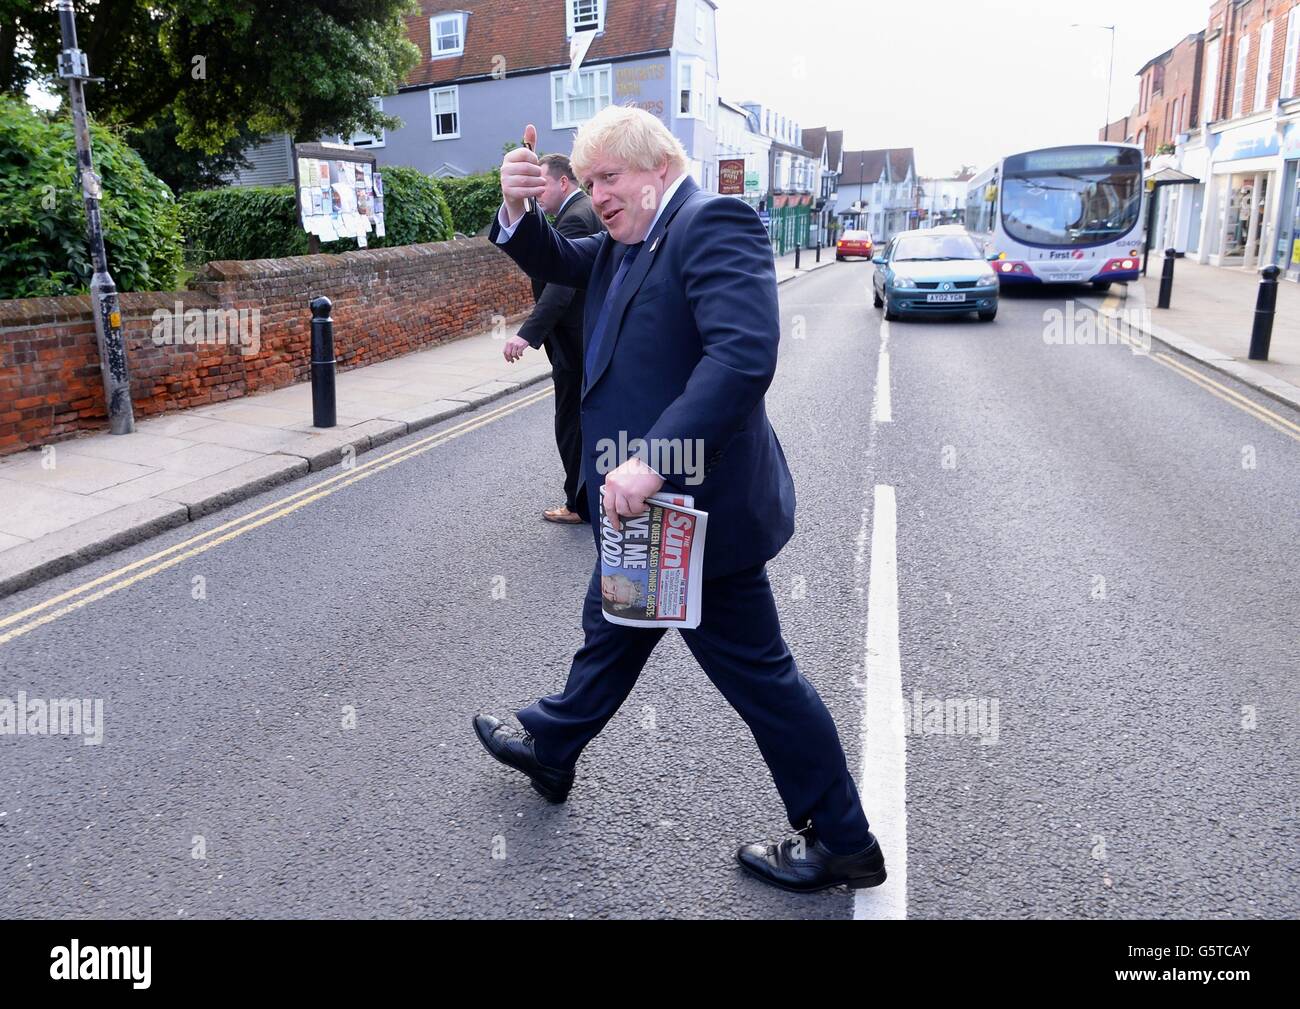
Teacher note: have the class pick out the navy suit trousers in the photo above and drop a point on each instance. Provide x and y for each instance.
(740, 648)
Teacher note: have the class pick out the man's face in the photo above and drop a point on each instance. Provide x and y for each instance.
(557, 190)
(626, 199)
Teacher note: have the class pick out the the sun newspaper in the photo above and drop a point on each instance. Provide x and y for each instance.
(651, 570)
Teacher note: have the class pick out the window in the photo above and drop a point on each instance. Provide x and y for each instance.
(701, 22)
(585, 15)
(444, 110)
(1239, 76)
(446, 35)
(1265, 66)
(592, 95)
(1292, 53)
(690, 89)
(360, 139)
(1209, 100)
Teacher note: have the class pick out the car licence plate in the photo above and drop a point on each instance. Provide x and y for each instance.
(945, 297)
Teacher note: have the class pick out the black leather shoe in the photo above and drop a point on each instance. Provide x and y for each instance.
(818, 869)
(515, 750)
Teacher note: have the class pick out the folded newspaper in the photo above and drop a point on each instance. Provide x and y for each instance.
(651, 570)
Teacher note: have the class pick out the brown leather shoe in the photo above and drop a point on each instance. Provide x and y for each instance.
(562, 515)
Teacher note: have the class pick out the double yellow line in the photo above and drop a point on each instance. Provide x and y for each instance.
(1260, 413)
(1276, 421)
(23, 622)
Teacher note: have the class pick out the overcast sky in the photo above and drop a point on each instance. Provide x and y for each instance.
(962, 82)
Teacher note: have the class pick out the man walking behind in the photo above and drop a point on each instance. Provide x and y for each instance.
(556, 324)
(681, 338)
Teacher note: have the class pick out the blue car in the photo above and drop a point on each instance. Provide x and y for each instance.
(936, 272)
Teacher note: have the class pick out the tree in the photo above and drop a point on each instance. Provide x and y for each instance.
(222, 70)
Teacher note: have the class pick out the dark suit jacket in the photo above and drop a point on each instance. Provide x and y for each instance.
(689, 352)
(557, 310)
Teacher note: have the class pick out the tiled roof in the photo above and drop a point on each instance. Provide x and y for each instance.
(834, 146)
(867, 166)
(814, 140)
(901, 159)
(514, 31)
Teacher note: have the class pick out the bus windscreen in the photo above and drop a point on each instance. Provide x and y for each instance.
(1071, 208)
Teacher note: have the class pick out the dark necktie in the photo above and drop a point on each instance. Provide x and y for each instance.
(602, 318)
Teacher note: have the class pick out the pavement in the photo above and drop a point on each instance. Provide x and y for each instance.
(1211, 313)
(74, 501)
(1090, 559)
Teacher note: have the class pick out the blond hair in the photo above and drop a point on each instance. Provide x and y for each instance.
(630, 134)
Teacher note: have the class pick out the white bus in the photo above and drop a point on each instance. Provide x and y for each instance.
(1061, 215)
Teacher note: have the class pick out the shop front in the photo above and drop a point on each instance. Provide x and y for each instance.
(1246, 176)
(1288, 231)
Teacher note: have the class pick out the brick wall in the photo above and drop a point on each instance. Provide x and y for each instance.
(1232, 19)
(387, 302)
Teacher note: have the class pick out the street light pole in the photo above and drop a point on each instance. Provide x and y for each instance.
(75, 69)
(1110, 75)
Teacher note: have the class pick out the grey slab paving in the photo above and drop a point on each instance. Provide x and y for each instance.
(229, 486)
(122, 526)
(202, 460)
(69, 471)
(31, 511)
(140, 447)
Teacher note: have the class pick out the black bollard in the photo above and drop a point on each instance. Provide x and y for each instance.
(796, 254)
(322, 365)
(819, 247)
(1265, 307)
(1166, 280)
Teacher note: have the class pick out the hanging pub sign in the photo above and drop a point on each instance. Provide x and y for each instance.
(340, 192)
(731, 177)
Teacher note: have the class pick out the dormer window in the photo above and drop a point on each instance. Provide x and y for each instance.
(585, 15)
(447, 35)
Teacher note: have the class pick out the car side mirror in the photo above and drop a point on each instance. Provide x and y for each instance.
(992, 257)
(878, 260)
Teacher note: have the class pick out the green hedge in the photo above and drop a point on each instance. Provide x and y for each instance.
(43, 246)
(261, 222)
(474, 200)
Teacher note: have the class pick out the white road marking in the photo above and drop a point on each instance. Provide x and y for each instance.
(882, 782)
(882, 405)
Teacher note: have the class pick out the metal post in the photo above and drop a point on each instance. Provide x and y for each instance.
(322, 364)
(797, 242)
(1265, 307)
(1166, 280)
(819, 246)
(75, 69)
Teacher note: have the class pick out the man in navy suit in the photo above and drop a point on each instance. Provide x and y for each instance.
(680, 344)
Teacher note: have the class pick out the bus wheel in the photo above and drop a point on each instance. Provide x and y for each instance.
(1101, 285)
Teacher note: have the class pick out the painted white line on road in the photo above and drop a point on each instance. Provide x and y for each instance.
(882, 782)
(884, 405)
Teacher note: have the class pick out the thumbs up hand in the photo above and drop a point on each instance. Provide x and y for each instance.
(521, 175)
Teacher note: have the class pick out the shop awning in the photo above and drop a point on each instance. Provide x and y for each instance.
(1171, 177)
